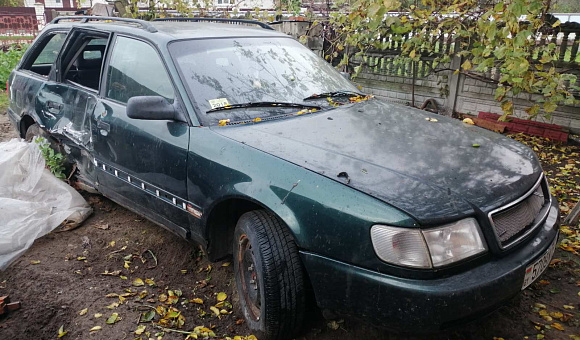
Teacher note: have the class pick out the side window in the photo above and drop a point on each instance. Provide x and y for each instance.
(85, 68)
(43, 61)
(135, 69)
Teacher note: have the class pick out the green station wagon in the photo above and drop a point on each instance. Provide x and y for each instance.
(244, 141)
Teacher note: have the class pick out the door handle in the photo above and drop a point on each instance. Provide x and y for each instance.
(104, 128)
(54, 107)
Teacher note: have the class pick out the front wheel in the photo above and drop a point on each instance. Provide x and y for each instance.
(269, 276)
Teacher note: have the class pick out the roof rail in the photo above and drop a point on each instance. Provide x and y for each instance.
(85, 19)
(220, 20)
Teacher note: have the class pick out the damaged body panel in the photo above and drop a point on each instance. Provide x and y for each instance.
(226, 134)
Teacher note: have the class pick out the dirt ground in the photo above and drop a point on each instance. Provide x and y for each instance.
(60, 281)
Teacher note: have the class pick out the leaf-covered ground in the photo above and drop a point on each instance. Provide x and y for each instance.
(119, 276)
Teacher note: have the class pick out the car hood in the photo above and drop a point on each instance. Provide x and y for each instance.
(435, 171)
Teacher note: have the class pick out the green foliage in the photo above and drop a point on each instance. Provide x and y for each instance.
(54, 160)
(486, 36)
(8, 60)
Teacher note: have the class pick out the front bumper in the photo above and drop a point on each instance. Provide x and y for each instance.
(419, 306)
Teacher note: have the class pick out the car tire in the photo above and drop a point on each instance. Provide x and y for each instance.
(32, 132)
(269, 276)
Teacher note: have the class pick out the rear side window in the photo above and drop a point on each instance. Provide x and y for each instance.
(135, 69)
(51, 49)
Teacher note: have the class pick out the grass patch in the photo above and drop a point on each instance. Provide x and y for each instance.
(3, 102)
(14, 37)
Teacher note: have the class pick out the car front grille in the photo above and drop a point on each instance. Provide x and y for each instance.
(515, 220)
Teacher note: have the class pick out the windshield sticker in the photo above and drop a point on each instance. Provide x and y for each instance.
(220, 102)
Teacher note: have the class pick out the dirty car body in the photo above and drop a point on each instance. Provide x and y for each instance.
(396, 218)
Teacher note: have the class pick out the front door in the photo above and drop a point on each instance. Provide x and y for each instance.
(142, 163)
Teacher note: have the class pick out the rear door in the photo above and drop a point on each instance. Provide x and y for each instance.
(32, 74)
(142, 163)
(70, 99)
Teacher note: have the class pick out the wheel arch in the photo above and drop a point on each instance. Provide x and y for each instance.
(221, 222)
(25, 122)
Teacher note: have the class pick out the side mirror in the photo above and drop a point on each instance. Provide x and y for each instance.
(150, 108)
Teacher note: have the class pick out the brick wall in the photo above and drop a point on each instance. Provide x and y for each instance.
(18, 21)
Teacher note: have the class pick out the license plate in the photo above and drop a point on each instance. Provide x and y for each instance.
(534, 270)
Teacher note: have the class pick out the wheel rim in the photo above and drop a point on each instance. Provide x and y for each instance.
(249, 277)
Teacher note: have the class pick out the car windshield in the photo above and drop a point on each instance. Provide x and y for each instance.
(223, 72)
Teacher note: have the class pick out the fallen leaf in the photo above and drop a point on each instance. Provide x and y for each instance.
(539, 305)
(81, 258)
(96, 328)
(162, 298)
(150, 282)
(226, 264)
(147, 316)
(122, 277)
(215, 310)
(222, 296)
(469, 121)
(140, 329)
(333, 325)
(113, 305)
(568, 307)
(475, 145)
(84, 311)
(113, 318)
(197, 300)
(558, 326)
(183, 271)
(102, 226)
(34, 262)
(137, 282)
(61, 332)
(97, 315)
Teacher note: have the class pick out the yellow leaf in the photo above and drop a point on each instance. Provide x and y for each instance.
(183, 271)
(84, 311)
(466, 65)
(469, 121)
(34, 262)
(568, 307)
(112, 243)
(197, 300)
(140, 329)
(138, 282)
(122, 277)
(113, 318)
(96, 328)
(221, 296)
(126, 265)
(223, 122)
(557, 23)
(412, 54)
(226, 264)
(558, 326)
(97, 315)
(61, 332)
(81, 258)
(150, 282)
(215, 310)
(256, 120)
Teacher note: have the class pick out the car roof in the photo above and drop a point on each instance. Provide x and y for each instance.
(170, 31)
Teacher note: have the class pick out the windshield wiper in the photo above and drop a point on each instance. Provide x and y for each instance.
(334, 94)
(264, 104)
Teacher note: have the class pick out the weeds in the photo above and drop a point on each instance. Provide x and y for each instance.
(54, 160)
(8, 60)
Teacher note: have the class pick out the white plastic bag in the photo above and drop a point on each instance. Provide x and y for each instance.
(32, 201)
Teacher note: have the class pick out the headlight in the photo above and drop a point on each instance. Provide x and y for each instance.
(428, 248)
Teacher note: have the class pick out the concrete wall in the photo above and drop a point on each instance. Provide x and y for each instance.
(470, 96)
